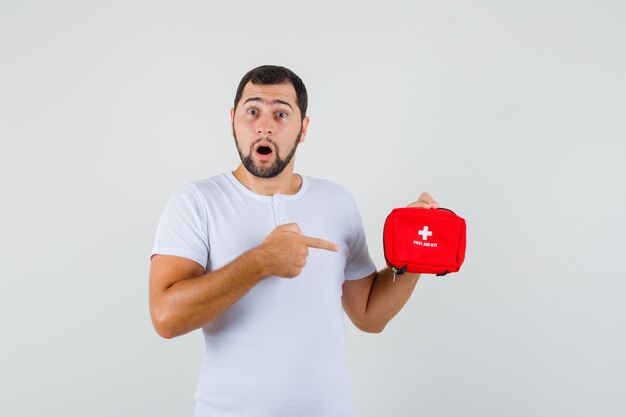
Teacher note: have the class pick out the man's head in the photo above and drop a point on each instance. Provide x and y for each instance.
(269, 119)
(272, 75)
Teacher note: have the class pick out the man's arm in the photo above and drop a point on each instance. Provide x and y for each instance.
(372, 302)
(183, 298)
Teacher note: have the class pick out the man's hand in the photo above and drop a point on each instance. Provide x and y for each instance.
(285, 250)
(425, 201)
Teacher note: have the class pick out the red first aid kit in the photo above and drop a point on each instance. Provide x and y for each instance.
(430, 241)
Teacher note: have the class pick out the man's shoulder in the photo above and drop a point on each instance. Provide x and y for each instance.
(214, 183)
(200, 191)
(328, 188)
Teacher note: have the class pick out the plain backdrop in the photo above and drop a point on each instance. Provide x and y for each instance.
(511, 113)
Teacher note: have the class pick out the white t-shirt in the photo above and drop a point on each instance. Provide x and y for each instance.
(280, 349)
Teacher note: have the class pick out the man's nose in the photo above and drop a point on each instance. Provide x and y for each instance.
(265, 124)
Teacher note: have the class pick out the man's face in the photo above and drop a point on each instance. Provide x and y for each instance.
(267, 127)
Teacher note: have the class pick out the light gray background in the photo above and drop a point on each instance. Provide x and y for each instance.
(510, 113)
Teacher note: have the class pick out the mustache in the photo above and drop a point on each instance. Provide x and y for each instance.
(262, 139)
(267, 139)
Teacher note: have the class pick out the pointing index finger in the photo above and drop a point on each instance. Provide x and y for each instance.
(317, 243)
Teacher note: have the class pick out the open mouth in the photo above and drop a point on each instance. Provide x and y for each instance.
(264, 151)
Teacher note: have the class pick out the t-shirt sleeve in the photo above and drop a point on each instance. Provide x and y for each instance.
(183, 227)
(359, 263)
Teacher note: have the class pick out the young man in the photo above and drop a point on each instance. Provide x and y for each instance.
(266, 261)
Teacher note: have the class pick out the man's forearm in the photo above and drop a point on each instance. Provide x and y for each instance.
(190, 304)
(387, 298)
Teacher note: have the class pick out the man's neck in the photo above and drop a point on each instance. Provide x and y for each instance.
(284, 183)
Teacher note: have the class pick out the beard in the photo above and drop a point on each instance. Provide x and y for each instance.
(266, 170)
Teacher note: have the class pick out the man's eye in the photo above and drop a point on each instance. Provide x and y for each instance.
(281, 114)
(252, 112)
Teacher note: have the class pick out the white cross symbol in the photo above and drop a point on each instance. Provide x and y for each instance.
(425, 233)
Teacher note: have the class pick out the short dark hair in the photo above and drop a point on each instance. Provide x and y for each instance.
(273, 74)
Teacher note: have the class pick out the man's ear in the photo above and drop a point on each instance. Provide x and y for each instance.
(232, 122)
(305, 127)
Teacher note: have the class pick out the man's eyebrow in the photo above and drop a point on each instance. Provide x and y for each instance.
(276, 101)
